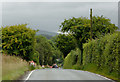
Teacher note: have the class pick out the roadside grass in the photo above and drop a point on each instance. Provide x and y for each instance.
(103, 72)
(94, 69)
(13, 67)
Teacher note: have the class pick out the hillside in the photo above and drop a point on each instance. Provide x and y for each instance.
(41, 32)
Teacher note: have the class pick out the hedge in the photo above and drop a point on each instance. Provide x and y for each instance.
(72, 59)
(100, 55)
(18, 40)
(103, 52)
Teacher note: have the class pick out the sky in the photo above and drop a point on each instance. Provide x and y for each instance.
(48, 16)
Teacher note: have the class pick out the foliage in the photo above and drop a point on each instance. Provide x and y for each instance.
(0, 39)
(100, 56)
(101, 26)
(76, 67)
(65, 43)
(0, 34)
(104, 72)
(56, 53)
(72, 59)
(31, 67)
(48, 52)
(44, 49)
(18, 40)
(80, 29)
(35, 57)
(104, 53)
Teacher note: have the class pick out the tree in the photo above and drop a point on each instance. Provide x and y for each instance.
(102, 26)
(44, 49)
(48, 52)
(80, 28)
(65, 43)
(56, 53)
(0, 39)
(35, 57)
(18, 40)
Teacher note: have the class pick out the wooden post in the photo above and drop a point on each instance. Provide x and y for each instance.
(91, 24)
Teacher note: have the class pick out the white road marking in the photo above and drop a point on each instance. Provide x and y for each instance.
(30, 74)
(74, 70)
(95, 74)
(101, 76)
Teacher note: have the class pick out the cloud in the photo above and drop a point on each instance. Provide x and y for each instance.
(48, 16)
(59, 0)
(0, 14)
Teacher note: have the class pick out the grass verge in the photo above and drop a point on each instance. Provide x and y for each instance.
(103, 72)
(13, 67)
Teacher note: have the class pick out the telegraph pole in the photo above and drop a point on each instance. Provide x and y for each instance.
(91, 24)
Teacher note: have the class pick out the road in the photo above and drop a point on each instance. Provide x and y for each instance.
(63, 74)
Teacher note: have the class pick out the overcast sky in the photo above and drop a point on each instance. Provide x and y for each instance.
(49, 15)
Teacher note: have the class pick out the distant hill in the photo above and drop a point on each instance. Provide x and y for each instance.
(47, 34)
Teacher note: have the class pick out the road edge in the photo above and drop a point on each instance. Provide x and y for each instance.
(95, 74)
(76, 70)
(29, 75)
(100, 76)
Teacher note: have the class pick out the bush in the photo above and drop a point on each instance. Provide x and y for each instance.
(104, 53)
(77, 67)
(38, 67)
(72, 58)
(35, 57)
(18, 40)
(99, 56)
(31, 67)
(65, 43)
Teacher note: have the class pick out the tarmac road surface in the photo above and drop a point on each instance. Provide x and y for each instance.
(63, 74)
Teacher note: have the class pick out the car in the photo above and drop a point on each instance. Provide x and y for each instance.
(54, 66)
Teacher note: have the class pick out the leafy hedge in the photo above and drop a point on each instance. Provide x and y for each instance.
(72, 59)
(103, 52)
(100, 56)
(18, 40)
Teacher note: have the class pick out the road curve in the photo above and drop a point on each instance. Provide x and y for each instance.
(63, 74)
